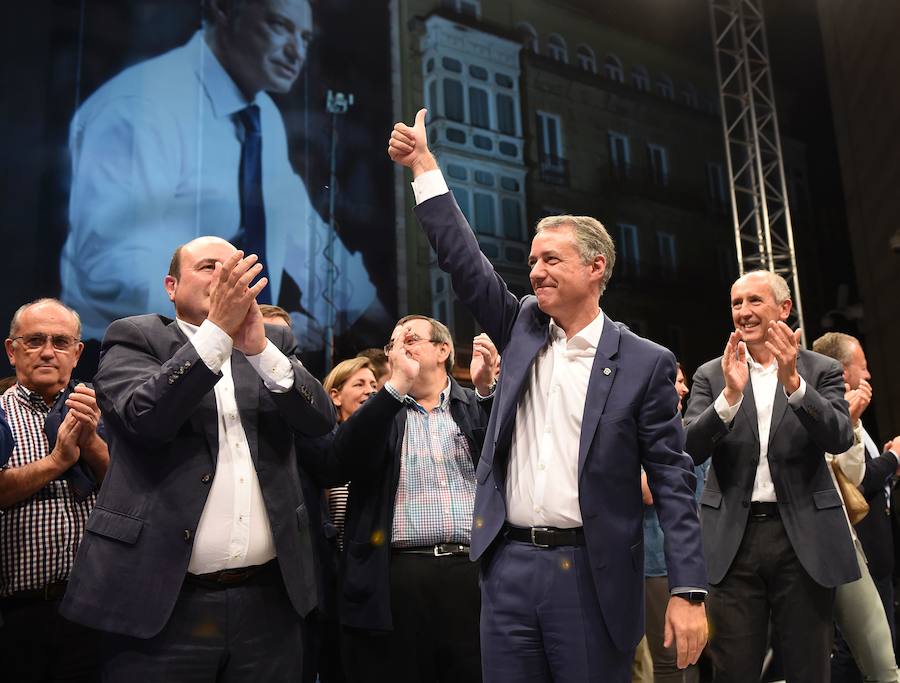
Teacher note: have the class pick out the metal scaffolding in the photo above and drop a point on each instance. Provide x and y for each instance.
(763, 233)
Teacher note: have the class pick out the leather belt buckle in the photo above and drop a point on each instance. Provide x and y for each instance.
(534, 538)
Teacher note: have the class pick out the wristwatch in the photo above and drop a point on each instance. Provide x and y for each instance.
(693, 597)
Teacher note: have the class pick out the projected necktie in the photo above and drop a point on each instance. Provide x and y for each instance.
(253, 213)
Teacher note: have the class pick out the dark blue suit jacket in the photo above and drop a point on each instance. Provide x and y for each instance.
(365, 600)
(157, 399)
(630, 420)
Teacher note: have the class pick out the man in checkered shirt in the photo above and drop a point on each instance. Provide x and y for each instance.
(409, 602)
(47, 490)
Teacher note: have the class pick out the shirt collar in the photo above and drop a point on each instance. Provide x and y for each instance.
(189, 329)
(223, 93)
(443, 401)
(34, 399)
(587, 338)
(759, 367)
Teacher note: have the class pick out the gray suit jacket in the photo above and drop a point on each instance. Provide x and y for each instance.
(157, 398)
(799, 437)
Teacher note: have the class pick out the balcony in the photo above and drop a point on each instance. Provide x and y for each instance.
(554, 170)
(645, 182)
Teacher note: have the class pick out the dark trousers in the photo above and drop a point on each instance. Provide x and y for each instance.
(665, 659)
(38, 645)
(767, 580)
(541, 621)
(434, 606)
(246, 632)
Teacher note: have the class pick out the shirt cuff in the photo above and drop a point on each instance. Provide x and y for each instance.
(274, 368)
(213, 345)
(795, 398)
(429, 184)
(479, 397)
(687, 589)
(393, 392)
(726, 412)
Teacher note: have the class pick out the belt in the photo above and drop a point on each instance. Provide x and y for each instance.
(226, 578)
(49, 593)
(544, 536)
(437, 550)
(760, 510)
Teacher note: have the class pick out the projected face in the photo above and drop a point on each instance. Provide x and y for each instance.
(264, 44)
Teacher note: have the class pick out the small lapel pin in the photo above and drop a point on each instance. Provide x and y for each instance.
(607, 371)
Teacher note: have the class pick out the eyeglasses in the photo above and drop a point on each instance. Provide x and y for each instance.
(411, 340)
(60, 342)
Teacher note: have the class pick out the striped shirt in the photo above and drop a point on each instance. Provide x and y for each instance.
(39, 536)
(338, 497)
(436, 492)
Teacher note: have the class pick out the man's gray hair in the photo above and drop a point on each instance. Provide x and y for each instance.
(835, 345)
(777, 284)
(591, 240)
(17, 316)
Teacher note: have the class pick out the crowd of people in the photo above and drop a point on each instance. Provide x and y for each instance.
(206, 509)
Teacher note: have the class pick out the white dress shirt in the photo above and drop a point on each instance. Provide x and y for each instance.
(158, 148)
(234, 529)
(764, 379)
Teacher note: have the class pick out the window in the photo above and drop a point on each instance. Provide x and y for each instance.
(640, 78)
(479, 112)
(628, 256)
(689, 95)
(513, 227)
(659, 165)
(619, 154)
(556, 48)
(485, 222)
(668, 258)
(549, 136)
(506, 114)
(664, 87)
(586, 59)
(469, 8)
(612, 69)
(453, 100)
(529, 37)
(715, 183)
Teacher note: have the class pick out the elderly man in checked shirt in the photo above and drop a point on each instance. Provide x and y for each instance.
(409, 601)
(47, 491)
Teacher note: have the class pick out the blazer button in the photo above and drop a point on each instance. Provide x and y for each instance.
(205, 478)
(187, 534)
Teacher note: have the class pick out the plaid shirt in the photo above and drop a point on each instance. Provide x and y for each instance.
(39, 536)
(436, 491)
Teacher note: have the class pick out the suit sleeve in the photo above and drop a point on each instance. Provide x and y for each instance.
(703, 426)
(878, 472)
(671, 477)
(305, 407)
(356, 447)
(824, 411)
(474, 279)
(149, 399)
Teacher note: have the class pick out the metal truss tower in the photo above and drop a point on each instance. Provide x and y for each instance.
(759, 202)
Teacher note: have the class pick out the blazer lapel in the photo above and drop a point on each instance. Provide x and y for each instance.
(205, 417)
(246, 395)
(748, 410)
(779, 408)
(603, 373)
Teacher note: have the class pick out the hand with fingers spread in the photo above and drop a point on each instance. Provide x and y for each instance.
(858, 399)
(404, 368)
(734, 368)
(250, 338)
(408, 146)
(686, 626)
(784, 344)
(484, 366)
(66, 452)
(232, 291)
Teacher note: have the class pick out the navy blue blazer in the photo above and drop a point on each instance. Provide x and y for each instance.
(365, 598)
(157, 399)
(630, 420)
